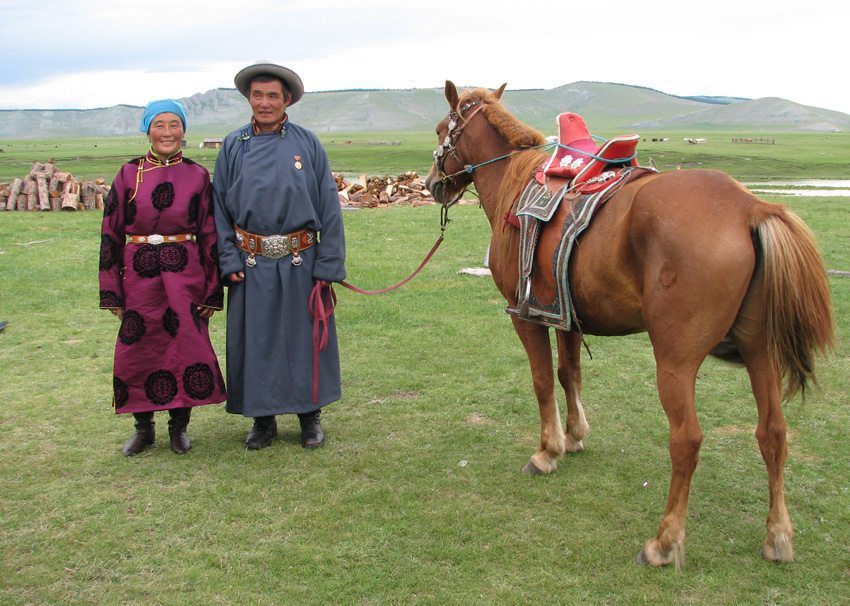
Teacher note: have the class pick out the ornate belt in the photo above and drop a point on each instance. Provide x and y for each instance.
(276, 246)
(156, 239)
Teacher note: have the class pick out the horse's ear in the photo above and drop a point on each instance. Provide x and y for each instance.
(451, 94)
(500, 90)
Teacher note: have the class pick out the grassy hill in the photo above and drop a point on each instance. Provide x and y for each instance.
(605, 106)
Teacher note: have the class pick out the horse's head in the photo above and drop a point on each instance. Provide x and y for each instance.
(451, 174)
(495, 135)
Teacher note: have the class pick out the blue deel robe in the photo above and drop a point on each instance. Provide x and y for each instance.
(271, 184)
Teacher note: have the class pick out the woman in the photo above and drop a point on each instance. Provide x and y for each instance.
(159, 275)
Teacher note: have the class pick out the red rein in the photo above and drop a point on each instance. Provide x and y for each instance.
(321, 306)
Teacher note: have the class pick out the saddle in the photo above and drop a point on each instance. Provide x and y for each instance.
(578, 160)
(585, 176)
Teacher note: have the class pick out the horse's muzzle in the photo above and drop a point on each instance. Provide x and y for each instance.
(436, 187)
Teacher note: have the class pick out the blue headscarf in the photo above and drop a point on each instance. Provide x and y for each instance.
(154, 108)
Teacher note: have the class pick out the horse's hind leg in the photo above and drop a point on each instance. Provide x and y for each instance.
(749, 337)
(535, 340)
(770, 432)
(569, 375)
(676, 389)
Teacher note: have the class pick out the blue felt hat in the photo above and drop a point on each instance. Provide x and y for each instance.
(154, 108)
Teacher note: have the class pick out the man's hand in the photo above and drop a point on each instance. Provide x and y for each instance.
(236, 277)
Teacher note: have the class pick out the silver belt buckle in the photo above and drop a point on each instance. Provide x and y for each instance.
(155, 239)
(275, 247)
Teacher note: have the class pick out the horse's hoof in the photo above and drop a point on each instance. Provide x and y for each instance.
(650, 556)
(532, 469)
(780, 550)
(572, 445)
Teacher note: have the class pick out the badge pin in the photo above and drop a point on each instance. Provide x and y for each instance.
(298, 164)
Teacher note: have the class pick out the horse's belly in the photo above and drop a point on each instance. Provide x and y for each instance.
(606, 277)
(605, 305)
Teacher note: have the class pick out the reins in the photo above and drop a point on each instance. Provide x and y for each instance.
(457, 123)
(469, 168)
(322, 300)
(444, 221)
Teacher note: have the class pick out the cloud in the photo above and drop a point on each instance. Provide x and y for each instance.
(94, 53)
(104, 88)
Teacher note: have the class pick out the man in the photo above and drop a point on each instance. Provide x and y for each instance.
(280, 238)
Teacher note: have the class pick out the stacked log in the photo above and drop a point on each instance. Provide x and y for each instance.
(71, 196)
(13, 192)
(379, 191)
(31, 191)
(46, 187)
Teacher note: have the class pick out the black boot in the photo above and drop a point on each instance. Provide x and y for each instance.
(262, 433)
(312, 435)
(144, 435)
(177, 424)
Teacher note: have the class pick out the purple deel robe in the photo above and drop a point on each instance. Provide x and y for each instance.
(163, 355)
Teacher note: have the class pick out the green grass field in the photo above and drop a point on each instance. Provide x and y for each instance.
(417, 497)
(794, 155)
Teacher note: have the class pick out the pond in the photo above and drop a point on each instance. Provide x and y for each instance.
(809, 187)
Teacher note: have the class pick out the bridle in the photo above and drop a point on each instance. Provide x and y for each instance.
(456, 125)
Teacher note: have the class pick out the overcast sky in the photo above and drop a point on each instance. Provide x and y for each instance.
(98, 53)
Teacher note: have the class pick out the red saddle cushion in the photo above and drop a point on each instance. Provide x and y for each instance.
(575, 150)
(616, 153)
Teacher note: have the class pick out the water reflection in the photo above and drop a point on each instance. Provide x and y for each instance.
(814, 193)
(805, 183)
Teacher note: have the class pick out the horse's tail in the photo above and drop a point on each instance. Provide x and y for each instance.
(796, 302)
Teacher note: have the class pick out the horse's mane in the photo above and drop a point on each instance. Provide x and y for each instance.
(516, 133)
(518, 173)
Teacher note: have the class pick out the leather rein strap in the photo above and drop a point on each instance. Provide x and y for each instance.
(444, 221)
(401, 283)
(322, 301)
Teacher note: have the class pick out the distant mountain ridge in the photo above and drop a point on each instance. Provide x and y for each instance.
(605, 107)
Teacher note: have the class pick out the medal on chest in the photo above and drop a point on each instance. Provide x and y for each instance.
(298, 164)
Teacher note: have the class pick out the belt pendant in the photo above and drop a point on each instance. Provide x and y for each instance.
(295, 244)
(251, 262)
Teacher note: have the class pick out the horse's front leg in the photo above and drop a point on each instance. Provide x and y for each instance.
(535, 339)
(569, 375)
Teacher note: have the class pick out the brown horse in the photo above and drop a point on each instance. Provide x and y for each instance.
(692, 258)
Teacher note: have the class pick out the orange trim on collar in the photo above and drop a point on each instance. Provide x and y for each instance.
(279, 128)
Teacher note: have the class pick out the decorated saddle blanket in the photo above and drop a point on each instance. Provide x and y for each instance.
(535, 207)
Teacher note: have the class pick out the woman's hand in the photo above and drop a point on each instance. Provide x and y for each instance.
(118, 311)
(205, 312)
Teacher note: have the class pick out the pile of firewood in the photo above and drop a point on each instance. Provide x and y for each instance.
(48, 188)
(373, 192)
